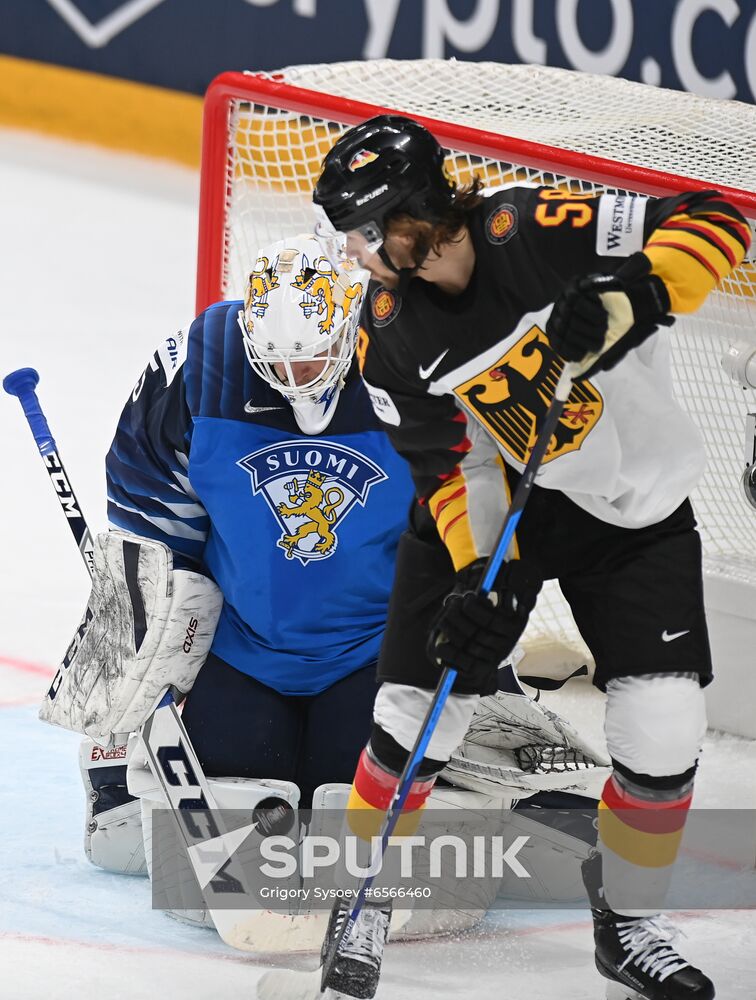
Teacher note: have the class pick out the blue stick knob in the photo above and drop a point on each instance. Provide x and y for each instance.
(22, 383)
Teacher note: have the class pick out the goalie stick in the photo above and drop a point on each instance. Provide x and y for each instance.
(282, 984)
(172, 758)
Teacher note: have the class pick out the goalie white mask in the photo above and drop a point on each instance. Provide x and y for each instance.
(300, 319)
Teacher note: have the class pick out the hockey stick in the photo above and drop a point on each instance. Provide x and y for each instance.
(619, 322)
(279, 984)
(449, 675)
(172, 758)
(283, 984)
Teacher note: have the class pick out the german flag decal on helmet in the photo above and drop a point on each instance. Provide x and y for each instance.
(501, 224)
(385, 306)
(360, 159)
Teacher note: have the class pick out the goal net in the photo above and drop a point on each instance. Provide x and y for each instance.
(265, 136)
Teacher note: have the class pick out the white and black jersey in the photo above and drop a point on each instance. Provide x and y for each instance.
(462, 382)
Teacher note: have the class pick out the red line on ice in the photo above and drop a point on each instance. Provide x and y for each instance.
(131, 949)
(26, 667)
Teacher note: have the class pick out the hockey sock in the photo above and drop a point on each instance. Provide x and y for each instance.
(641, 821)
(375, 782)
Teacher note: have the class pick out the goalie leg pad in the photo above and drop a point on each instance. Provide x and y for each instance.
(146, 628)
(464, 901)
(474, 898)
(113, 824)
(561, 832)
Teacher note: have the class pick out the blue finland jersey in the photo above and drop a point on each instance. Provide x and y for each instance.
(299, 532)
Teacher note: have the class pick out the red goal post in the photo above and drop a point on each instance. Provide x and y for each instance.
(264, 136)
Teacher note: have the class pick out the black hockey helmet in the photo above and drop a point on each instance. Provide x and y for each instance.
(387, 164)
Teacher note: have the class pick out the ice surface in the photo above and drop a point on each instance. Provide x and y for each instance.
(98, 268)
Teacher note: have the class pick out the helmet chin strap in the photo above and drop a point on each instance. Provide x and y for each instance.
(404, 274)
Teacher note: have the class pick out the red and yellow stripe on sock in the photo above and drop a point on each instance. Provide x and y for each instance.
(642, 832)
(371, 795)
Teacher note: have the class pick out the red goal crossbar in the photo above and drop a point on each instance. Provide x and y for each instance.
(268, 91)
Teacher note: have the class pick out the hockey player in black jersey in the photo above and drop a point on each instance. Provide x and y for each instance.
(476, 301)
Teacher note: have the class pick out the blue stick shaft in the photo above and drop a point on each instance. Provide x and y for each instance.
(525, 484)
(394, 811)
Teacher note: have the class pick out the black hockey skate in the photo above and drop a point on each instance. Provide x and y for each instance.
(636, 954)
(357, 968)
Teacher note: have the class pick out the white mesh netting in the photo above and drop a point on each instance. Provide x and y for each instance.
(276, 154)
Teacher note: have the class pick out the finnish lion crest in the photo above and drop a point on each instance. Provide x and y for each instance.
(317, 282)
(310, 486)
(317, 505)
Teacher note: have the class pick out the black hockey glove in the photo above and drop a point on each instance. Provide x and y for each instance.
(474, 632)
(579, 320)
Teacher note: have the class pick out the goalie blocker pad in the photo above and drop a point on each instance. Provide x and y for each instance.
(146, 628)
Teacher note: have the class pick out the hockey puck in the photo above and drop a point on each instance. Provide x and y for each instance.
(274, 816)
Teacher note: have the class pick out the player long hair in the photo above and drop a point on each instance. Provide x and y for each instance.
(431, 236)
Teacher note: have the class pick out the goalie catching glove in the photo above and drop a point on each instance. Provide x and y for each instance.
(516, 746)
(586, 320)
(146, 628)
(473, 632)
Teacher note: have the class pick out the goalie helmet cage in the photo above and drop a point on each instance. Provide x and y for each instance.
(265, 135)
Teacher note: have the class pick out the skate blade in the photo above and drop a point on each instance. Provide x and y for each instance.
(616, 991)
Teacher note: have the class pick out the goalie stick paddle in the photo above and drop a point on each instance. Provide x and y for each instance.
(170, 752)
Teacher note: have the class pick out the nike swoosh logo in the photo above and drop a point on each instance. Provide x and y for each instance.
(427, 372)
(249, 408)
(668, 637)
